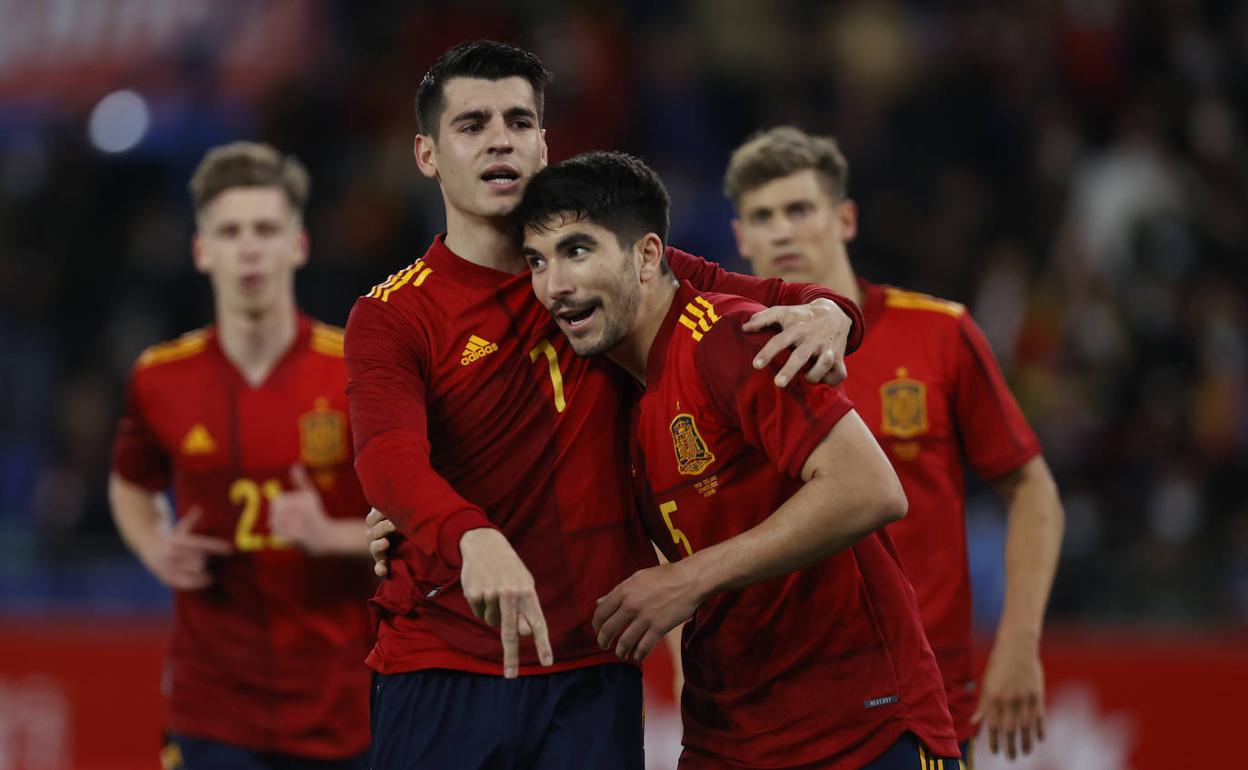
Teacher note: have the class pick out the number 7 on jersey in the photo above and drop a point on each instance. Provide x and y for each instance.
(556, 377)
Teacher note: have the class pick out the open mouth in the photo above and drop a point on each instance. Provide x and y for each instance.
(576, 317)
(502, 177)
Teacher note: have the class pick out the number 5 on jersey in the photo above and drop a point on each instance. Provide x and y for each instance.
(678, 537)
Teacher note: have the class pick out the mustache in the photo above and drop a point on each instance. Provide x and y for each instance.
(567, 305)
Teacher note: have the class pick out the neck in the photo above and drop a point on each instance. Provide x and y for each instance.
(633, 353)
(255, 343)
(840, 278)
(482, 240)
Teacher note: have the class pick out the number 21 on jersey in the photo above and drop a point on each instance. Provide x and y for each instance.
(251, 496)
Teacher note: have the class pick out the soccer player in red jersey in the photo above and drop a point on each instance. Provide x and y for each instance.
(805, 648)
(502, 459)
(926, 383)
(245, 421)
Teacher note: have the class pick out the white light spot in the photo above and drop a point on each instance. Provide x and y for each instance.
(119, 122)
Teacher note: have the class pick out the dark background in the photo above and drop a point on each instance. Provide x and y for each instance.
(1074, 172)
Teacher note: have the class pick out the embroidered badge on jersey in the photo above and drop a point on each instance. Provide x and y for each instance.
(692, 454)
(903, 404)
(322, 436)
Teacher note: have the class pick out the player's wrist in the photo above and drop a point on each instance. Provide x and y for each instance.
(1018, 636)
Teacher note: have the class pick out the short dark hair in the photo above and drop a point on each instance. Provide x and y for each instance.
(777, 152)
(612, 189)
(248, 164)
(483, 59)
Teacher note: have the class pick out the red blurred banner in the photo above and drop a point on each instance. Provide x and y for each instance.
(84, 694)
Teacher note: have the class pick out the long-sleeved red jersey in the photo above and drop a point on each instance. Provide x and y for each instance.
(470, 409)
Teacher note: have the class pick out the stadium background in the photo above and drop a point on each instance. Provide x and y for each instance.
(1075, 172)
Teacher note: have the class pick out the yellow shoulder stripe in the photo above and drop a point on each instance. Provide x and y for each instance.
(187, 345)
(415, 275)
(327, 339)
(909, 300)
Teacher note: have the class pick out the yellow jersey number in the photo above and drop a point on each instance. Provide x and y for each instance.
(556, 377)
(678, 537)
(251, 495)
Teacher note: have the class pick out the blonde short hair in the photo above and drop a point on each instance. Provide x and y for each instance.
(778, 152)
(248, 164)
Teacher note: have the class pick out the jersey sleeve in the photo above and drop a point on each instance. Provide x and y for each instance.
(785, 423)
(708, 276)
(994, 433)
(386, 390)
(137, 455)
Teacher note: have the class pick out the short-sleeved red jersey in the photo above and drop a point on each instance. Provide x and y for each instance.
(470, 409)
(271, 655)
(927, 385)
(827, 665)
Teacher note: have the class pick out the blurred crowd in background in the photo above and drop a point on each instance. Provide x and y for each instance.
(1073, 171)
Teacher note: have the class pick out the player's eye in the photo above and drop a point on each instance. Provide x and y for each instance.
(536, 263)
(799, 210)
(578, 251)
(471, 128)
(266, 229)
(522, 124)
(760, 217)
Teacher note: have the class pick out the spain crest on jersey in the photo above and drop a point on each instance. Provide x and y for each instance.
(903, 406)
(692, 454)
(322, 436)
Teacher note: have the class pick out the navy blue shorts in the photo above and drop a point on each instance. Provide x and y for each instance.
(182, 752)
(437, 719)
(909, 753)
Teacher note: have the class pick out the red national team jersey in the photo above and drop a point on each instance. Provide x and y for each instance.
(270, 656)
(469, 410)
(823, 666)
(928, 387)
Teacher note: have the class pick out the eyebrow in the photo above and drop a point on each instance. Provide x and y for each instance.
(482, 114)
(575, 239)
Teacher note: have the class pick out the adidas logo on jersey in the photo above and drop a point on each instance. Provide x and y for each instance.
(198, 441)
(476, 349)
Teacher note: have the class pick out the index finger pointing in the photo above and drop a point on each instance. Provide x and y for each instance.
(212, 545)
(510, 634)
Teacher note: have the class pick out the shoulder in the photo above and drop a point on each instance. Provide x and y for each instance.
(403, 285)
(326, 340)
(182, 349)
(922, 305)
(722, 350)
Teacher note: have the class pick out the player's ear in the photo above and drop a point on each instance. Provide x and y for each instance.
(423, 149)
(545, 152)
(740, 238)
(198, 257)
(847, 213)
(301, 247)
(649, 252)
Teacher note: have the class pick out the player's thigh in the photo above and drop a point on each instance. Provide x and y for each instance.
(590, 717)
(443, 719)
(908, 753)
(184, 752)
